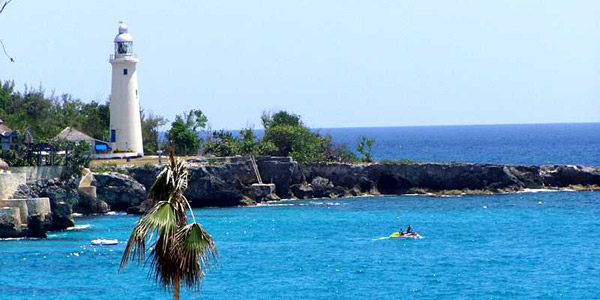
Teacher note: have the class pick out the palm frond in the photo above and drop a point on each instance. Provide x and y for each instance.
(180, 252)
(196, 253)
(160, 220)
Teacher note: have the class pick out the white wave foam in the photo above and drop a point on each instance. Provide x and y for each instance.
(116, 213)
(275, 204)
(536, 191)
(79, 227)
(18, 239)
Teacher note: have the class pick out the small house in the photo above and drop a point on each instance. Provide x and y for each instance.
(9, 138)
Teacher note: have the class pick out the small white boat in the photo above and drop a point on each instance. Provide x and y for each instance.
(104, 242)
(402, 235)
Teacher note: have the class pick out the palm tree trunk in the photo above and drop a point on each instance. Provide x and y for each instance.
(176, 285)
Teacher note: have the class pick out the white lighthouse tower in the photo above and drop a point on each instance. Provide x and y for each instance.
(125, 123)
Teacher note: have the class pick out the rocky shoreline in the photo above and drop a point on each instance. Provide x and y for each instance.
(232, 181)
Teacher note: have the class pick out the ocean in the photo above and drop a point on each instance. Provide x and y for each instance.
(539, 245)
(534, 144)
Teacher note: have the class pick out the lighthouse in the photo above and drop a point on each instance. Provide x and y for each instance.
(125, 123)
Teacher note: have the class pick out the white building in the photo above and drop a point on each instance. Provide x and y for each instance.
(125, 122)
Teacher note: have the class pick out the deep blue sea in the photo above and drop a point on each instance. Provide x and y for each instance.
(508, 144)
(512, 246)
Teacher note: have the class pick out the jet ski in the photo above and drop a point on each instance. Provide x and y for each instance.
(104, 242)
(402, 235)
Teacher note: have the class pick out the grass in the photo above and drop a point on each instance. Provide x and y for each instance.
(403, 161)
(151, 160)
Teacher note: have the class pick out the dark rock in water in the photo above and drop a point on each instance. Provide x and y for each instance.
(62, 215)
(302, 191)
(119, 191)
(443, 177)
(89, 205)
(139, 209)
(364, 185)
(38, 225)
(340, 192)
(560, 176)
(63, 197)
(207, 189)
(262, 192)
(10, 223)
(322, 187)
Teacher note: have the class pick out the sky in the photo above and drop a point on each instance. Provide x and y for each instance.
(337, 63)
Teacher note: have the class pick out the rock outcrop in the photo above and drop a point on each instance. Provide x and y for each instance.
(10, 222)
(88, 196)
(63, 197)
(232, 182)
(260, 192)
(444, 177)
(25, 217)
(119, 191)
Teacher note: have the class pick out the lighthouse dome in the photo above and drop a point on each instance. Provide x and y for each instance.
(123, 35)
(123, 28)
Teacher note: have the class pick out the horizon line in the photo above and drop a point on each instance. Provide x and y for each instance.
(439, 125)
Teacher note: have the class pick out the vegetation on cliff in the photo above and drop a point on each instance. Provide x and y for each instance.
(35, 115)
(284, 135)
(184, 132)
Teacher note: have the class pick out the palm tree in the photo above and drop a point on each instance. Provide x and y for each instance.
(180, 252)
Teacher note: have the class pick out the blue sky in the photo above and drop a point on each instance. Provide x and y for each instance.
(336, 63)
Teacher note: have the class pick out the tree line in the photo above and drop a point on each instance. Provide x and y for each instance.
(44, 116)
(284, 135)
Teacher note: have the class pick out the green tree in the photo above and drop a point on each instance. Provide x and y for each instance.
(223, 143)
(45, 116)
(180, 253)
(291, 138)
(365, 147)
(184, 140)
(196, 120)
(183, 134)
(96, 120)
(249, 145)
(150, 131)
(279, 119)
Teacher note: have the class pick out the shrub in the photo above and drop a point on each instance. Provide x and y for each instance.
(222, 143)
(365, 147)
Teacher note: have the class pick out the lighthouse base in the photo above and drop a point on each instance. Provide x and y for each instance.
(117, 155)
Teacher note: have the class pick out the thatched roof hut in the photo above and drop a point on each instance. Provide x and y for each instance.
(74, 135)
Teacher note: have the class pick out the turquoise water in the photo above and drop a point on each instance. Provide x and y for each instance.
(475, 247)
